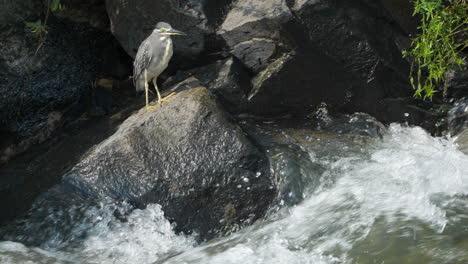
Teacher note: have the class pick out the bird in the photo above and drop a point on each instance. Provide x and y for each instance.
(152, 58)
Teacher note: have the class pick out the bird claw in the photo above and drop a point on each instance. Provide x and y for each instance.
(160, 101)
(150, 108)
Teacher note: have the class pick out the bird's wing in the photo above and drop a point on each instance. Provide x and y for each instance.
(142, 59)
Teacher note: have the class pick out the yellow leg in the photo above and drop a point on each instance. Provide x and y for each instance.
(160, 100)
(148, 107)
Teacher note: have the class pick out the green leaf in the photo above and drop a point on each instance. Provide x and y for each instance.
(55, 5)
(434, 50)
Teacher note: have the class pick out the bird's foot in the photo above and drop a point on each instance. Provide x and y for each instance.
(150, 108)
(160, 101)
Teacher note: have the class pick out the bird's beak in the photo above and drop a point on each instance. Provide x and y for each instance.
(175, 32)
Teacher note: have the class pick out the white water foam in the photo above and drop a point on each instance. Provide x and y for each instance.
(403, 179)
(410, 180)
(145, 237)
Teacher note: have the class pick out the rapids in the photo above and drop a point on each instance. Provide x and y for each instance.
(399, 199)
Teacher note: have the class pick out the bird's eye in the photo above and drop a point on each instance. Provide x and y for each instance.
(164, 29)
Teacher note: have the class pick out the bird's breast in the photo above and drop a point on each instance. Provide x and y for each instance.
(167, 51)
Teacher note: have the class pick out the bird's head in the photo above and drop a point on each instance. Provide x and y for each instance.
(164, 28)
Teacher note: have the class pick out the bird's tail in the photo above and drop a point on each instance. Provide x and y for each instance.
(139, 83)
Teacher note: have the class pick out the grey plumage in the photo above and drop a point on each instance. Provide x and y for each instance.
(153, 56)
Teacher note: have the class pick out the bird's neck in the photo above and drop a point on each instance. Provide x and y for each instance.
(164, 38)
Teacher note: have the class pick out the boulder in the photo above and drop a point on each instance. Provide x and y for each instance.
(91, 12)
(186, 156)
(402, 13)
(411, 111)
(298, 148)
(456, 82)
(227, 79)
(253, 30)
(340, 52)
(462, 141)
(18, 11)
(457, 117)
(54, 74)
(250, 19)
(255, 53)
(132, 23)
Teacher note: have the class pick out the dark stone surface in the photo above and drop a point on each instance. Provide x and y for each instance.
(357, 124)
(186, 156)
(402, 13)
(248, 19)
(457, 118)
(131, 23)
(227, 79)
(462, 141)
(91, 12)
(256, 54)
(343, 53)
(410, 111)
(56, 79)
(32, 173)
(457, 83)
(253, 30)
(18, 11)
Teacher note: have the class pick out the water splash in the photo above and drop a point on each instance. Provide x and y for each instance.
(144, 237)
(409, 181)
(403, 199)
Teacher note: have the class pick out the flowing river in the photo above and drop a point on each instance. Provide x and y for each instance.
(399, 199)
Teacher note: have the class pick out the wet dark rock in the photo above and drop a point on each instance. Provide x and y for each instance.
(252, 30)
(285, 87)
(250, 19)
(462, 141)
(343, 53)
(186, 156)
(227, 79)
(18, 11)
(357, 124)
(256, 53)
(57, 78)
(410, 111)
(456, 83)
(132, 23)
(457, 116)
(294, 170)
(91, 12)
(299, 149)
(402, 13)
(36, 170)
(356, 35)
(303, 52)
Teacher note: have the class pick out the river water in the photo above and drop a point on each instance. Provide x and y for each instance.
(399, 199)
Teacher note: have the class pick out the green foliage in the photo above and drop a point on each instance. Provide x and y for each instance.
(37, 28)
(55, 5)
(40, 29)
(434, 50)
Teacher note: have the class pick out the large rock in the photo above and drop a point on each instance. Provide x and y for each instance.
(298, 148)
(253, 30)
(132, 22)
(92, 12)
(335, 51)
(462, 141)
(47, 81)
(186, 156)
(456, 82)
(14, 11)
(227, 79)
(457, 116)
(41, 91)
(402, 13)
